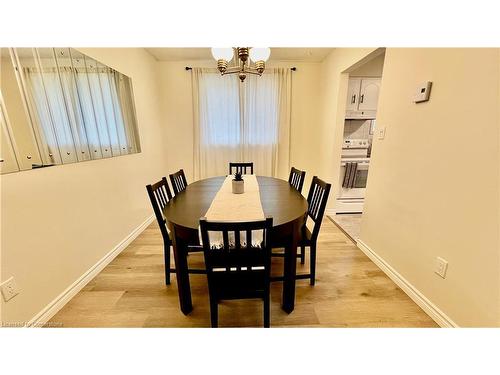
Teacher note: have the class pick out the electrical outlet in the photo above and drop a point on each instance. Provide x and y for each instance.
(9, 289)
(381, 132)
(440, 267)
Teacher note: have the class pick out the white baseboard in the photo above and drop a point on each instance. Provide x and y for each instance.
(58, 303)
(425, 304)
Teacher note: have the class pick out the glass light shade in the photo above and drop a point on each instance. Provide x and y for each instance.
(222, 53)
(260, 54)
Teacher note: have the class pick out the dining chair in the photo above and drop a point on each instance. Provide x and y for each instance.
(178, 181)
(237, 267)
(296, 179)
(240, 167)
(316, 199)
(159, 194)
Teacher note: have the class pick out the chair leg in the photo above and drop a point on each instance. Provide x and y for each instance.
(267, 311)
(302, 254)
(312, 250)
(166, 255)
(214, 319)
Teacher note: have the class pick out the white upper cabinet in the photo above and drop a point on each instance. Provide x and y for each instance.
(370, 89)
(362, 98)
(353, 94)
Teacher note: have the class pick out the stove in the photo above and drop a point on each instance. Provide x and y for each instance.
(351, 199)
(356, 143)
(355, 148)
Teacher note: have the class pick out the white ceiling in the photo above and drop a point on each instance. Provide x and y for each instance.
(277, 54)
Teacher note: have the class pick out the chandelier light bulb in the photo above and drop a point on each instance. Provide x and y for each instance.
(260, 54)
(223, 53)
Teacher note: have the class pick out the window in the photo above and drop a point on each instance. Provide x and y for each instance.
(237, 121)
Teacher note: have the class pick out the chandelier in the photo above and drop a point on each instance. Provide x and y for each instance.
(243, 57)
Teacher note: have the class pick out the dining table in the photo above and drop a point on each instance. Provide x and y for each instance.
(279, 199)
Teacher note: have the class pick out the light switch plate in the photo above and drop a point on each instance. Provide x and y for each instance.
(381, 132)
(423, 92)
(9, 289)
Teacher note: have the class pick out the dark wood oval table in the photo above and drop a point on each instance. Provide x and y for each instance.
(280, 200)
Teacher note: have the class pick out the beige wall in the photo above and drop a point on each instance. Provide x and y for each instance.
(306, 112)
(58, 222)
(177, 108)
(433, 187)
(177, 114)
(372, 68)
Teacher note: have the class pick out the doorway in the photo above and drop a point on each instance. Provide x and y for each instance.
(359, 125)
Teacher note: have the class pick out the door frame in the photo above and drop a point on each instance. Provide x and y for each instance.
(340, 118)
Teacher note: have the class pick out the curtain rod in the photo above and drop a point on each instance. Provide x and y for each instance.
(292, 68)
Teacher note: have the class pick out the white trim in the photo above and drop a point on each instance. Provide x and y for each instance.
(58, 303)
(349, 206)
(425, 304)
(330, 212)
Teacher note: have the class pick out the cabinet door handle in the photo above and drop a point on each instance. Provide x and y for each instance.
(353, 100)
(361, 98)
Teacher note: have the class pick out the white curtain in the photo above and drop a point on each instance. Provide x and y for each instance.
(247, 121)
(75, 114)
(217, 134)
(37, 96)
(82, 91)
(82, 114)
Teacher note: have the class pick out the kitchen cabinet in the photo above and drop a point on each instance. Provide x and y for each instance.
(362, 98)
(353, 94)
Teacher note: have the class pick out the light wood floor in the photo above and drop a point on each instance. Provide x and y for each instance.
(350, 291)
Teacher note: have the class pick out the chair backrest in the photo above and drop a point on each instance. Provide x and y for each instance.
(159, 194)
(241, 167)
(234, 253)
(296, 179)
(316, 199)
(178, 181)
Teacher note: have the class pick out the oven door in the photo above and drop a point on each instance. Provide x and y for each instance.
(361, 177)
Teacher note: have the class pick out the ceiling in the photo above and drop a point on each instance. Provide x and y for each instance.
(277, 54)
